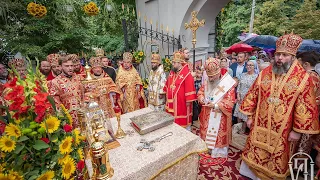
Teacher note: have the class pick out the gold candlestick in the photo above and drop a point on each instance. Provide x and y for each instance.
(120, 133)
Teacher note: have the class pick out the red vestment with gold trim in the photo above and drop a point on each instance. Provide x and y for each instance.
(69, 92)
(180, 90)
(278, 105)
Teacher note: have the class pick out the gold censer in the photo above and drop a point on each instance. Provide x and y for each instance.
(102, 169)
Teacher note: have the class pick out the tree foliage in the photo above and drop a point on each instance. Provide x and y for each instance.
(63, 29)
(271, 18)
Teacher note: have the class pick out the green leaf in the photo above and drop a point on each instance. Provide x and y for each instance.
(40, 145)
(33, 177)
(50, 99)
(23, 138)
(18, 148)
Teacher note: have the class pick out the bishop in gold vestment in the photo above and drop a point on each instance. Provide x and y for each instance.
(129, 81)
(102, 88)
(280, 105)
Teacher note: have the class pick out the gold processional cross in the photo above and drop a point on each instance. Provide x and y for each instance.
(193, 26)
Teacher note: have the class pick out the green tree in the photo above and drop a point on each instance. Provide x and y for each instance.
(305, 21)
(70, 30)
(272, 19)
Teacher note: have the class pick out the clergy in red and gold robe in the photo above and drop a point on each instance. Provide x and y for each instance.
(180, 92)
(102, 88)
(53, 59)
(67, 89)
(217, 97)
(280, 106)
(129, 81)
(78, 68)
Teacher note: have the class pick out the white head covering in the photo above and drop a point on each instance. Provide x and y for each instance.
(256, 67)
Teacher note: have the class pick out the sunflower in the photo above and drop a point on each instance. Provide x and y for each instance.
(68, 168)
(3, 167)
(16, 175)
(80, 153)
(65, 146)
(62, 160)
(6, 177)
(52, 123)
(7, 144)
(76, 134)
(12, 130)
(46, 176)
(140, 53)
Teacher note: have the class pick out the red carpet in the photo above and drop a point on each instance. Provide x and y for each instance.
(221, 168)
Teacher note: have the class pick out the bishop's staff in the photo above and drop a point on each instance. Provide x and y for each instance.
(193, 26)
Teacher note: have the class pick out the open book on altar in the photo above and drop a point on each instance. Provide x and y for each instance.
(151, 121)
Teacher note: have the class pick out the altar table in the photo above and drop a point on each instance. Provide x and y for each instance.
(175, 157)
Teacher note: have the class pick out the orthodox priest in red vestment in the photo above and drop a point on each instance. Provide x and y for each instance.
(78, 68)
(217, 97)
(281, 105)
(53, 59)
(180, 91)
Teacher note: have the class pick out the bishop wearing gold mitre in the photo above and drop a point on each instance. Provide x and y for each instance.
(180, 91)
(129, 81)
(102, 88)
(280, 105)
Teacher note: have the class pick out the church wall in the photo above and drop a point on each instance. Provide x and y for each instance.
(174, 14)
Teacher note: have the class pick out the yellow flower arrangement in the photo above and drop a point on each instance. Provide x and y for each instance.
(66, 112)
(139, 56)
(6, 176)
(76, 134)
(166, 64)
(65, 146)
(7, 144)
(16, 175)
(52, 124)
(46, 176)
(80, 153)
(36, 10)
(62, 160)
(68, 168)
(12, 130)
(91, 9)
(145, 83)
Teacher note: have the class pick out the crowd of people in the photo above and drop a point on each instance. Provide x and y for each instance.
(274, 96)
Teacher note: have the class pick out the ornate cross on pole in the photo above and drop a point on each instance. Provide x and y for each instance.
(193, 26)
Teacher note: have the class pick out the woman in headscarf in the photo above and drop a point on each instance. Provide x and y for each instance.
(245, 81)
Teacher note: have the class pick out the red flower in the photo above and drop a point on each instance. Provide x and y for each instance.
(80, 165)
(46, 140)
(39, 118)
(16, 91)
(41, 97)
(17, 102)
(11, 84)
(67, 128)
(24, 109)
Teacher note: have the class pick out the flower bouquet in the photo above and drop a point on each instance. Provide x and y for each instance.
(36, 10)
(139, 56)
(145, 83)
(38, 142)
(167, 65)
(91, 9)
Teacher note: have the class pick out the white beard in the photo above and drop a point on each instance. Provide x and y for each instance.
(211, 86)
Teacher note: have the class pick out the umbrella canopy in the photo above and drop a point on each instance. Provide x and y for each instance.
(239, 47)
(262, 41)
(268, 41)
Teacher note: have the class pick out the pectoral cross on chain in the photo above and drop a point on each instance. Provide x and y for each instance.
(220, 89)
